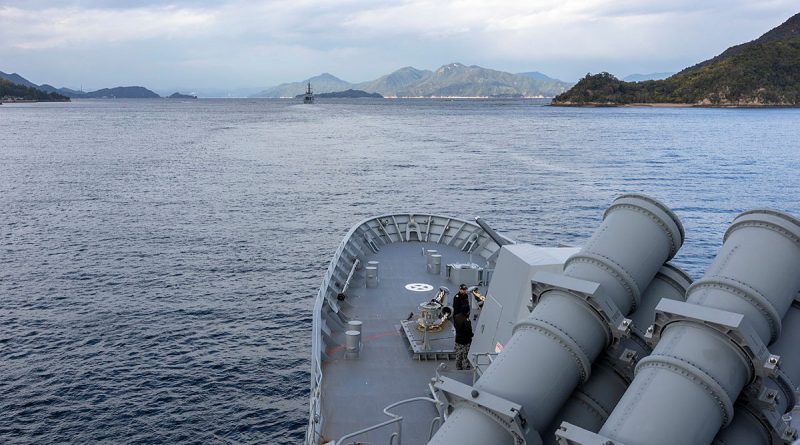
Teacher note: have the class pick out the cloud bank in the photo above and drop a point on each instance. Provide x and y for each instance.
(258, 43)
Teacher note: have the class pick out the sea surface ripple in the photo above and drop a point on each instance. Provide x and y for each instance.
(159, 258)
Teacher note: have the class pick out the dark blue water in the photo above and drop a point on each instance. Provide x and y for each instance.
(159, 259)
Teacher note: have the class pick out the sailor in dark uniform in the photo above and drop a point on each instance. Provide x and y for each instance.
(463, 327)
(463, 339)
(461, 301)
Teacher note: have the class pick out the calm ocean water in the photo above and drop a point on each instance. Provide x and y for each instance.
(159, 258)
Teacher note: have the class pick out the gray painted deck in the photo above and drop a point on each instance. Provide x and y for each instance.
(355, 391)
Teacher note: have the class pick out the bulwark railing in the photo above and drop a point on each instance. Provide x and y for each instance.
(314, 427)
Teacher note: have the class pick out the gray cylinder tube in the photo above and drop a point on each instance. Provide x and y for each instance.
(746, 428)
(592, 402)
(786, 346)
(637, 231)
(552, 351)
(670, 282)
(684, 391)
(754, 273)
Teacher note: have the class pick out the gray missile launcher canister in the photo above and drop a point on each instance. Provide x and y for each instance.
(712, 349)
(577, 315)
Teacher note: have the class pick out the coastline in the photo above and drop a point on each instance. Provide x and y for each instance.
(665, 105)
(435, 97)
(30, 101)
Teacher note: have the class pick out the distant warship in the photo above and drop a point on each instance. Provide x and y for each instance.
(308, 98)
(606, 344)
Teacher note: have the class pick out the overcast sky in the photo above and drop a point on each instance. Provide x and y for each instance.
(237, 43)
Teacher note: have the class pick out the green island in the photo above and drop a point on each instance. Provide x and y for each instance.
(12, 92)
(761, 73)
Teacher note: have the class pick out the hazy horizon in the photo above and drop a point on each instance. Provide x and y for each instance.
(238, 45)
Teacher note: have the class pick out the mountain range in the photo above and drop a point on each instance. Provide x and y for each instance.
(762, 72)
(13, 92)
(451, 80)
(134, 92)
